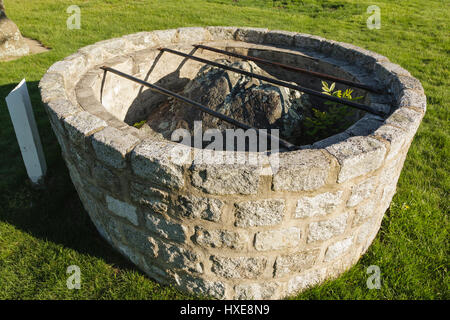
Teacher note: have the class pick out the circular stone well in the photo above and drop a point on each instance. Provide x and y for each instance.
(236, 230)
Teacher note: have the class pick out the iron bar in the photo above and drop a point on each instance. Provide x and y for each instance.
(289, 67)
(197, 105)
(278, 82)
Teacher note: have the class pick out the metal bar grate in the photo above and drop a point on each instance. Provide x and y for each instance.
(277, 82)
(288, 67)
(199, 106)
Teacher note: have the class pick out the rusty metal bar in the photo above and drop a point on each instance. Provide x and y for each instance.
(197, 105)
(278, 82)
(289, 67)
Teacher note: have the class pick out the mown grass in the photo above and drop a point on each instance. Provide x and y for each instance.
(43, 232)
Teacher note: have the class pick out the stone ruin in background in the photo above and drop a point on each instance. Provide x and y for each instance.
(12, 43)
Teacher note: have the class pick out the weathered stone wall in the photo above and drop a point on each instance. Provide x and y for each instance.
(233, 231)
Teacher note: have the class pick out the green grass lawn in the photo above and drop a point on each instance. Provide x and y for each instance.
(43, 232)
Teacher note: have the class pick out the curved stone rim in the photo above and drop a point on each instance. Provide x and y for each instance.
(407, 91)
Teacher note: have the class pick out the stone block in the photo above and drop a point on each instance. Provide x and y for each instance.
(259, 213)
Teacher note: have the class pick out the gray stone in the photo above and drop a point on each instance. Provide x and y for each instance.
(302, 170)
(402, 83)
(308, 41)
(326, 229)
(81, 125)
(367, 232)
(226, 179)
(152, 160)
(361, 191)
(199, 208)
(222, 33)
(306, 280)
(178, 257)
(331, 140)
(193, 34)
(277, 37)
(220, 238)
(142, 40)
(114, 47)
(238, 267)
(364, 212)
(253, 35)
(337, 249)
(122, 209)
(105, 178)
(111, 146)
(318, 205)
(412, 98)
(277, 239)
(256, 291)
(259, 213)
(407, 119)
(165, 228)
(386, 71)
(12, 43)
(135, 238)
(296, 262)
(357, 156)
(203, 287)
(395, 136)
(149, 197)
(366, 125)
(166, 36)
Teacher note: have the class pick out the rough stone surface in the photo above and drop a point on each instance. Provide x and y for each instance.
(412, 98)
(259, 213)
(364, 211)
(302, 170)
(11, 42)
(256, 291)
(220, 238)
(361, 191)
(152, 160)
(178, 257)
(111, 146)
(81, 125)
(122, 209)
(337, 249)
(254, 35)
(277, 239)
(164, 228)
(295, 263)
(199, 208)
(324, 230)
(357, 156)
(319, 205)
(202, 287)
(406, 119)
(105, 178)
(226, 179)
(305, 280)
(395, 136)
(238, 267)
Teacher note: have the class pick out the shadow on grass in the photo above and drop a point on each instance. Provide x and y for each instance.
(55, 213)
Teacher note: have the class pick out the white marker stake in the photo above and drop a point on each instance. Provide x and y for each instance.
(21, 112)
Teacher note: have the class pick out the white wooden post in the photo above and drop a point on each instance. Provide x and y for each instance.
(21, 112)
